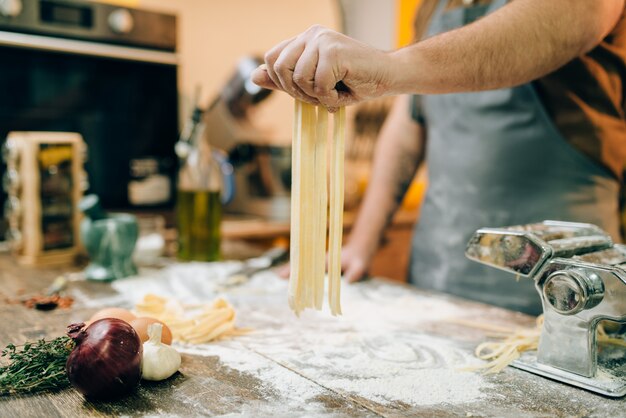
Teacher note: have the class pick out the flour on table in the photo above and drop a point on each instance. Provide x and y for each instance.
(416, 370)
(377, 350)
(280, 380)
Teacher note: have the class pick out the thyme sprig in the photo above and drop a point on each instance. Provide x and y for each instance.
(35, 367)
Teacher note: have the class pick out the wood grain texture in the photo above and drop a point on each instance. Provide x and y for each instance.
(203, 387)
(208, 385)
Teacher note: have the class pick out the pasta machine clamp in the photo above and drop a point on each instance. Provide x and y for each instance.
(580, 276)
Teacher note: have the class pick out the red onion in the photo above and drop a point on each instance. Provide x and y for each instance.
(106, 361)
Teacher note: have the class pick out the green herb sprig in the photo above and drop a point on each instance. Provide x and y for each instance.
(35, 367)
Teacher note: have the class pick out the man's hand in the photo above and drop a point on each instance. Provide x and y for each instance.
(355, 262)
(309, 66)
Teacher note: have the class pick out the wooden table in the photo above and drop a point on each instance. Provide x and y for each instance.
(395, 352)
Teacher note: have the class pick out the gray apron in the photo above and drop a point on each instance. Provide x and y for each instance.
(495, 158)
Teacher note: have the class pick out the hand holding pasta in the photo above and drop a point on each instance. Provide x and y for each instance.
(310, 65)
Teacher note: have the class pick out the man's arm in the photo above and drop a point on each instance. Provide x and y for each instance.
(398, 153)
(522, 41)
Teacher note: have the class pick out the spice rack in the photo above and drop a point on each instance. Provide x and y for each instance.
(44, 181)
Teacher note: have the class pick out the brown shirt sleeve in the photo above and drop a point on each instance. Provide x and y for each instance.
(586, 99)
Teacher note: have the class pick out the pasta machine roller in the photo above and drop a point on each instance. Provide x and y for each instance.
(581, 278)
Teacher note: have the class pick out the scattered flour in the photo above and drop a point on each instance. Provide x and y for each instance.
(405, 367)
(431, 387)
(377, 350)
(277, 380)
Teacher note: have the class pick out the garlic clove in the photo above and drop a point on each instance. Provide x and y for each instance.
(160, 361)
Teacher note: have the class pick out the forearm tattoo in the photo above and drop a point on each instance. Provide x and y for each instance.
(408, 163)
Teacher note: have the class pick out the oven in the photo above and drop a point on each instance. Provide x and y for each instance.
(106, 72)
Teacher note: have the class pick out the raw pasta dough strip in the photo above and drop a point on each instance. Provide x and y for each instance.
(206, 325)
(336, 211)
(294, 280)
(301, 292)
(321, 194)
(307, 209)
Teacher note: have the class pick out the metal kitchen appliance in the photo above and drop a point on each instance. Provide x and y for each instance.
(581, 278)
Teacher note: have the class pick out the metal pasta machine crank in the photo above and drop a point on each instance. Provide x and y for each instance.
(581, 278)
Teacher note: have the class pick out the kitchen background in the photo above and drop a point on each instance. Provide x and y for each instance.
(212, 39)
(214, 35)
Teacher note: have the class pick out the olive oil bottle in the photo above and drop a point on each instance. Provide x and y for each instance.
(199, 213)
(198, 204)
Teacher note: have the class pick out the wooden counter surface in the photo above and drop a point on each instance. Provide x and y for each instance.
(249, 227)
(254, 228)
(394, 352)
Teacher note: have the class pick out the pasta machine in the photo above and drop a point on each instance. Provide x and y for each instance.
(581, 278)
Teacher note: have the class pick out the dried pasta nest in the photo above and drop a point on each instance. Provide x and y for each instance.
(194, 324)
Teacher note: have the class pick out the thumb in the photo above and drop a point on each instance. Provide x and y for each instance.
(261, 78)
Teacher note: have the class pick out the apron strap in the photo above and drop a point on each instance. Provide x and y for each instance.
(440, 9)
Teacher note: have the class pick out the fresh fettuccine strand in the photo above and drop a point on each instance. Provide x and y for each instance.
(336, 212)
(296, 186)
(321, 196)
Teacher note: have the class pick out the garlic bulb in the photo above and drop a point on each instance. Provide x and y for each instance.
(160, 361)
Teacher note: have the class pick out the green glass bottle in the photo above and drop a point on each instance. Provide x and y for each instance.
(198, 204)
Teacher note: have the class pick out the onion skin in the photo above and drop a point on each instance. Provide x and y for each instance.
(106, 362)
